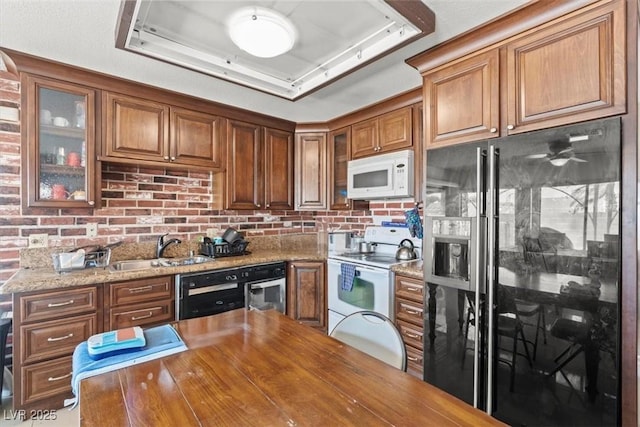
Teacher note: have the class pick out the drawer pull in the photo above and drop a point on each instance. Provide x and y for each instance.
(140, 289)
(414, 359)
(59, 338)
(412, 312)
(146, 316)
(59, 304)
(412, 289)
(410, 335)
(60, 378)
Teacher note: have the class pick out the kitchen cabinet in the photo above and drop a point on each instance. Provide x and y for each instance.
(306, 293)
(311, 171)
(567, 71)
(259, 172)
(47, 328)
(462, 101)
(339, 154)
(391, 131)
(145, 302)
(139, 130)
(409, 309)
(59, 137)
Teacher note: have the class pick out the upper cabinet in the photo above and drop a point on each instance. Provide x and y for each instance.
(143, 130)
(59, 137)
(566, 71)
(389, 132)
(259, 167)
(571, 71)
(339, 150)
(462, 100)
(311, 171)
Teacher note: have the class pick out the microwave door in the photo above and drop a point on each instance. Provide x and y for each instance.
(371, 180)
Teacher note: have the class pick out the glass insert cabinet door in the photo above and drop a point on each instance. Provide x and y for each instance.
(60, 128)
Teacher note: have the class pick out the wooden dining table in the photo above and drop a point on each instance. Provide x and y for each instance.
(261, 368)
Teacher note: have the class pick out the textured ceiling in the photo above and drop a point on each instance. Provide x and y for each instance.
(82, 33)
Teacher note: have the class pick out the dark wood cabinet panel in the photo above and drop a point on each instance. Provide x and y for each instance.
(56, 304)
(306, 293)
(244, 175)
(409, 318)
(570, 71)
(144, 314)
(196, 138)
(311, 170)
(391, 131)
(462, 101)
(278, 178)
(135, 128)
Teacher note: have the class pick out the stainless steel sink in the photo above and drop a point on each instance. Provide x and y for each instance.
(174, 262)
(135, 264)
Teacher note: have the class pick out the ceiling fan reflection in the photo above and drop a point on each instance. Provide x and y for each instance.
(560, 153)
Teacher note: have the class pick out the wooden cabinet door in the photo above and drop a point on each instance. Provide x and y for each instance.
(306, 293)
(59, 124)
(135, 129)
(394, 130)
(196, 139)
(461, 101)
(568, 72)
(244, 175)
(364, 138)
(311, 171)
(278, 179)
(339, 146)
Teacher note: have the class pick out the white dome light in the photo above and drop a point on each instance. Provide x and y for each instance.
(261, 32)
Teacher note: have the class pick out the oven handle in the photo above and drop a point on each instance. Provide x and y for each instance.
(267, 283)
(359, 267)
(212, 288)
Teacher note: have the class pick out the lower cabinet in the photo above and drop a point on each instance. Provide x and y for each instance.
(47, 328)
(145, 302)
(409, 309)
(306, 293)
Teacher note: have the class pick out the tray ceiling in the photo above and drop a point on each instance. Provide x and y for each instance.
(333, 38)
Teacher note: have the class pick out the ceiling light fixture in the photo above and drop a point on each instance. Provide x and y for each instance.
(559, 161)
(261, 32)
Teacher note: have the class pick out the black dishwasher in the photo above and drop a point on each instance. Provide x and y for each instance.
(216, 291)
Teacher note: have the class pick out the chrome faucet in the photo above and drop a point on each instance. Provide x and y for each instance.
(162, 245)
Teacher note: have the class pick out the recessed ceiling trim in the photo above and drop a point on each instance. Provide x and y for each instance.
(147, 34)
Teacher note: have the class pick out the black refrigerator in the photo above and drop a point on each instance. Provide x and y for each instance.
(522, 265)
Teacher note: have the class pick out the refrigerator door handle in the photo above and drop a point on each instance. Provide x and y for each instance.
(478, 270)
(492, 208)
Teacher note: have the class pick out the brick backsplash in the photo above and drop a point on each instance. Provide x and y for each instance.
(140, 203)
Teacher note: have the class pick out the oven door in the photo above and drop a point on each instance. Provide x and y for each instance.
(267, 295)
(371, 291)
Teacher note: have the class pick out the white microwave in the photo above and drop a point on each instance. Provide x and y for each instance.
(381, 177)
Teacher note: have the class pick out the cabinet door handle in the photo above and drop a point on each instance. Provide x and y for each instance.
(511, 127)
(140, 289)
(410, 335)
(173, 159)
(60, 378)
(50, 339)
(493, 130)
(166, 157)
(59, 304)
(146, 316)
(413, 312)
(91, 202)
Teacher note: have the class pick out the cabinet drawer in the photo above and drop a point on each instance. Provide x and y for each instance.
(46, 379)
(44, 306)
(410, 288)
(411, 334)
(46, 340)
(141, 290)
(414, 359)
(410, 311)
(142, 315)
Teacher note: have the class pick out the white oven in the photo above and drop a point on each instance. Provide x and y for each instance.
(371, 290)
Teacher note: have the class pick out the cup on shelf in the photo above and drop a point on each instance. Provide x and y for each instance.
(60, 121)
(73, 159)
(45, 117)
(79, 195)
(58, 192)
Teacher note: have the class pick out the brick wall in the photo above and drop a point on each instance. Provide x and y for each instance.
(139, 203)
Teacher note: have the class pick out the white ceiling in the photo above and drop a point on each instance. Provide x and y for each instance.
(82, 33)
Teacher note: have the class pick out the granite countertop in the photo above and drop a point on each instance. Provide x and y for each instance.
(411, 269)
(45, 278)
